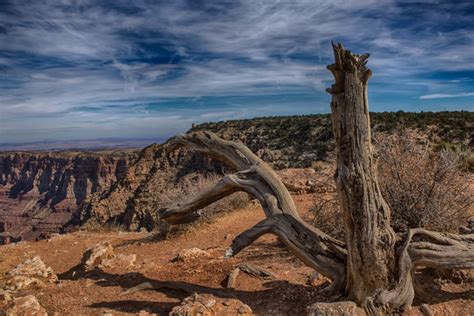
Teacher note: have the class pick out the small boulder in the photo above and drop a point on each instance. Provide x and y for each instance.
(94, 256)
(35, 267)
(314, 278)
(26, 305)
(5, 296)
(32, 272)
(333, 309)
(209, 305)
(5, 299)
(121, 260)
(190, 254)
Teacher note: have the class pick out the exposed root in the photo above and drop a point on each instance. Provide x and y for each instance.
(423, 248)
(425, 309)
(441, 250)
(138, 288)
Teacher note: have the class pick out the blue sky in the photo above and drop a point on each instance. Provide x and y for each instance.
(91, 69)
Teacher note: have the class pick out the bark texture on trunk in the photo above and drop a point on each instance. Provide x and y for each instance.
(369, 238)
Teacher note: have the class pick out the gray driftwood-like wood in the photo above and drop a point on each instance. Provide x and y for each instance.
(374, 266)
(232, 280)
(379, 263)
(371, 262)
(315, 248)
(256, 271)
(248, 268)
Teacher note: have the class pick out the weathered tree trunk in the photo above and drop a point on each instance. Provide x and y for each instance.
(370, 240)
(374, 267)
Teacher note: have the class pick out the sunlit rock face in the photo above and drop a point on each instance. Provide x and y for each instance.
(43, 193)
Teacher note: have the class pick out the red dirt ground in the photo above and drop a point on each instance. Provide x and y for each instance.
(99, 293)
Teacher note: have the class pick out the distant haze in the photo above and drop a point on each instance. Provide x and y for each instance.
(149, 69)
(81, 144)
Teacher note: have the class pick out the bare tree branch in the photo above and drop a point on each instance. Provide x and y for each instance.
(254, 176)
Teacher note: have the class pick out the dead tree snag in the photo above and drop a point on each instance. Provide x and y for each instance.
(374, 266)
(369, 238)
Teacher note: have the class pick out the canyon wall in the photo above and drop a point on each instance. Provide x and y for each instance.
(41, 193)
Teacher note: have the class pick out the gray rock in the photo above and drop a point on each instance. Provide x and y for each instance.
(333, 309)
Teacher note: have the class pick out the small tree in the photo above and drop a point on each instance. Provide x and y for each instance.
(374, 266)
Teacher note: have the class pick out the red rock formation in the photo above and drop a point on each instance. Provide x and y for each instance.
(42, 193)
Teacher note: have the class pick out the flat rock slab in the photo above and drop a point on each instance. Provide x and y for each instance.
(335, 309)
(26, 305)
(209, 305)
(94, 256)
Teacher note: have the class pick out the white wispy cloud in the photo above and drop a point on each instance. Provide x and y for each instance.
(447, 95)
(79, 64)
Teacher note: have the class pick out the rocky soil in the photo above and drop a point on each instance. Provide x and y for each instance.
(136, 273)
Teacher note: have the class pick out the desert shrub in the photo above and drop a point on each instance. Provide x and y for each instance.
(423, 187)
(327, 215)
(468, 162)
(445, 146)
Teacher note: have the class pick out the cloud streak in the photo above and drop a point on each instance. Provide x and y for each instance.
(447, 95)
(75, 65)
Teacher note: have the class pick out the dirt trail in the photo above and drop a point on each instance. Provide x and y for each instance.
(99, 293)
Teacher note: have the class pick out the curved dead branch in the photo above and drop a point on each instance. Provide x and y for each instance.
(315, 248)
(318, 250)
(428, 249)
(441, 250)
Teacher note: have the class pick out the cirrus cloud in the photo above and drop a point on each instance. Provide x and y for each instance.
(100, 66)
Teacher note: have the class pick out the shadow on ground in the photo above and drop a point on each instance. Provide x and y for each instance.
(289, 295)
(280, 297)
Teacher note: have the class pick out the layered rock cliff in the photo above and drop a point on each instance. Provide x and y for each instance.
(133, 200)
(42, 193)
